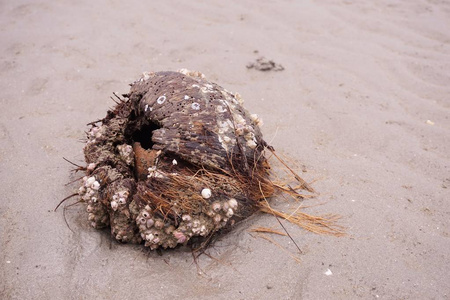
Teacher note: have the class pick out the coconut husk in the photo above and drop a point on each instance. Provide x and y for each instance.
(180, 159)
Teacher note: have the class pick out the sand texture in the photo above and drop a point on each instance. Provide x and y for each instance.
(362, 105)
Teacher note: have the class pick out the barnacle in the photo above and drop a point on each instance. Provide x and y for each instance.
(177, 159)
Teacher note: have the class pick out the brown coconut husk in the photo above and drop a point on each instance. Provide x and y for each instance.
(180, 160)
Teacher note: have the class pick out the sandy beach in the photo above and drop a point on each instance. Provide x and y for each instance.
(362, 106)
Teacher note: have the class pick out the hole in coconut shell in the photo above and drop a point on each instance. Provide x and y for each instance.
(144, 135)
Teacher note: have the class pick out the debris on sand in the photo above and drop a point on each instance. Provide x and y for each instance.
(263, 64)
(177, 160)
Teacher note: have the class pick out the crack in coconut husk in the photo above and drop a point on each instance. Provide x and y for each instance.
(179, 159)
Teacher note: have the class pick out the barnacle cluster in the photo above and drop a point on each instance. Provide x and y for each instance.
(178, 159)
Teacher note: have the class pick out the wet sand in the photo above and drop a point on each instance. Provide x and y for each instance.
(363, 104)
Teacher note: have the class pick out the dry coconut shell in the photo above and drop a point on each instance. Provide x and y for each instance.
(178, 159)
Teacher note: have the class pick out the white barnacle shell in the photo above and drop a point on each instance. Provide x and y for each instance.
(226, 139)
(145, 75)
(161, 99)
(195, 106)
(174, 162)
(225, 207)
(203, 230)
(90, 181)
(238, 97)
(206, 193)
(150, 223)
(233, 203)
(95, 185)
(126, 153)
(239, 119)
(240, 129)
(114, 205)
(94, 132)
(216, 206)
(230, 213)
(169, 229)
(181, 238)
(256, 119)
(251, 144)
(159, 224)
(82, 190)
(191, 73)
(183, 71)
(217, 219)
(249, 136)
(195, 223)
(124, 193)
(220, 109)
